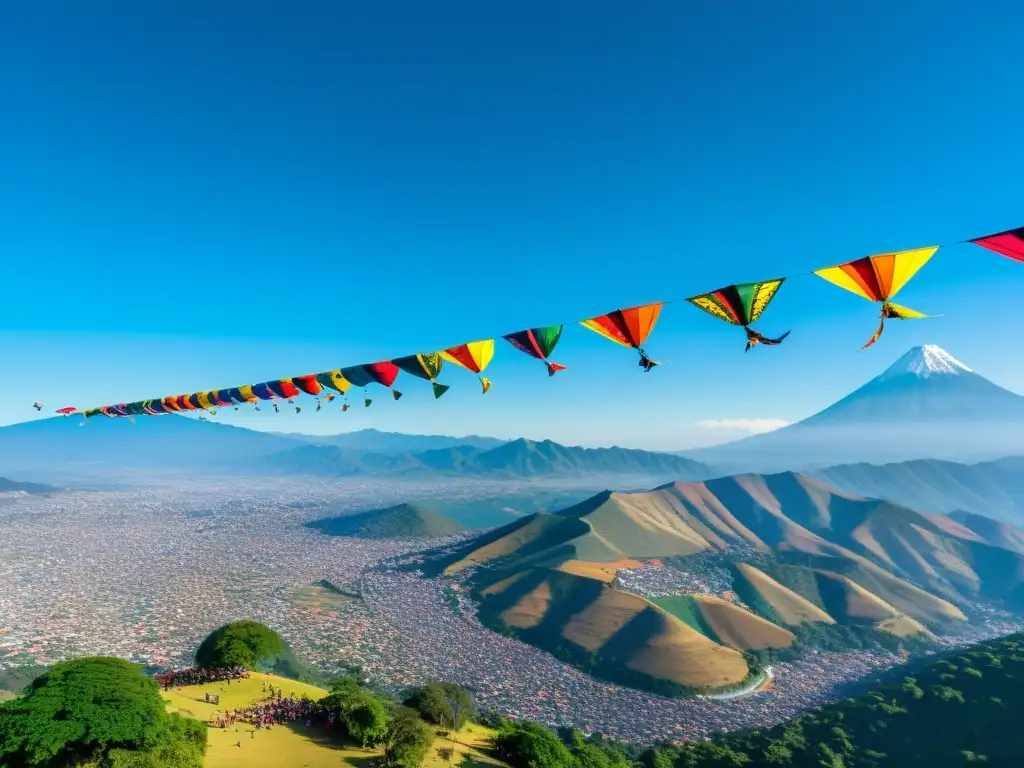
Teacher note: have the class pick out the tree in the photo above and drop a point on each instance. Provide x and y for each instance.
(241, 644)
(529, 745)
(361, 714)
(659, 757)
(97, 708)
(444, 704)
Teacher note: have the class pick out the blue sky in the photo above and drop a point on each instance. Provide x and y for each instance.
(200, 195)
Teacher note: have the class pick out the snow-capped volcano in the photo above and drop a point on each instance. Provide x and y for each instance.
(926, 405)
(929, 360)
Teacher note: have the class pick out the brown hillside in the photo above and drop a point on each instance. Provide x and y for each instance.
(792, 608)
(620, 628)
(739, 628)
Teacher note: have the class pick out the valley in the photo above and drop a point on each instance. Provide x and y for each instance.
(232, 549)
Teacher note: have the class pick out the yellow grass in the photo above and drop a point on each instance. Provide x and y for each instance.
(601, 571)
(296, 746)
(902, 626)
(471, 746)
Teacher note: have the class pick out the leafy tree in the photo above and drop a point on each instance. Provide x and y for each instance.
(97, 708)
(407, 740)
(659, 757)
(444, 704)
(361, 714)
(529, 745)
(241, 644)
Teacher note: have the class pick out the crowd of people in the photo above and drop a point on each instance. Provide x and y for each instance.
(197, 676)
(276, 710)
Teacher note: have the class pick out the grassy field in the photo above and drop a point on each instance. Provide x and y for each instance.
(295, 746)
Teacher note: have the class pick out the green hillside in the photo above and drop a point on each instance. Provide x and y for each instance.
(958, 710)
(404, 521)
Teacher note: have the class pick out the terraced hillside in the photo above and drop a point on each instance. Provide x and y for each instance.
(825, 559)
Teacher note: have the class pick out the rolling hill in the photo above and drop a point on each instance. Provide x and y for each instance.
(926, 405)
(403, 521)
(828, 563)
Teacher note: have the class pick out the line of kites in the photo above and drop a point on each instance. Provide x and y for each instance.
(875, 278)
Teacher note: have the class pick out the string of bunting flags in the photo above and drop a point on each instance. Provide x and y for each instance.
(875, 278)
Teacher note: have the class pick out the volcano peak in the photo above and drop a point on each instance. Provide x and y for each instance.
(928, 360)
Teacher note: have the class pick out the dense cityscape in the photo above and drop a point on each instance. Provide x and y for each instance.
(146, 573)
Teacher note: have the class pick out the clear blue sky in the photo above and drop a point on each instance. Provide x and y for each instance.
(199, 195)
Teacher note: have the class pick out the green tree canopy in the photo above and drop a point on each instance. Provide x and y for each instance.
(529, 745)
(97, 708)
(240, 644)
(408, 739)
(361, 714)
(444, 704)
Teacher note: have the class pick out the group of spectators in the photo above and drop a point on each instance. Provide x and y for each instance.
(198, 676)
(276, 712)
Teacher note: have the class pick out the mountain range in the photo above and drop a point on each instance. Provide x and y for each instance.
(926, 405)
(991, 488)
(514, 459)
(52, 447)
(803, 560)
(394, 443)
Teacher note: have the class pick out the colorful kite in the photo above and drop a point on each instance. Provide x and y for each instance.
(628, 327)
(1009, 243)
(473, 356)
(879, 278)
(66, 411)
(383, 373)
(308, 384)
(334, 380)
(538, 343)
(742, 304)
(424, 366)
(283, 388)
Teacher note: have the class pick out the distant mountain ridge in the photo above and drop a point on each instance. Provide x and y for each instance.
(394, 443)
(991, 488)
(14, 486)
(52, 446)
(926, 405)
(109, 445)
(399, 522)
(518, 458)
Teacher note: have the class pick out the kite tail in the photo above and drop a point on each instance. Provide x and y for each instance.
(439, 389)
(645, 362)
(367, 402)
(878, 333)
(553, 368)
(396, 394)
(755, 337)
(485, 383)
